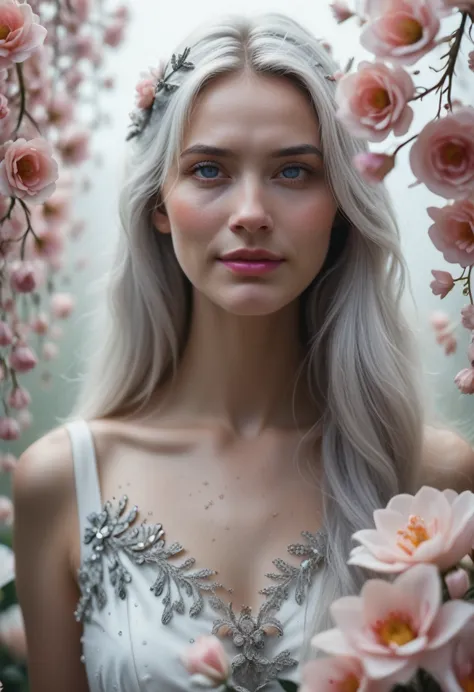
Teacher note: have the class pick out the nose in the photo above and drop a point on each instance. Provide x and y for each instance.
(251, 214)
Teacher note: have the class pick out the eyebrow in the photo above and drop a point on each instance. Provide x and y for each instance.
(279, 153)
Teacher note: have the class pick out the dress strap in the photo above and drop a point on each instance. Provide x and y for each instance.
(85, 473)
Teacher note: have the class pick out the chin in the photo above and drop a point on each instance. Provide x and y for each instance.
(252, 301)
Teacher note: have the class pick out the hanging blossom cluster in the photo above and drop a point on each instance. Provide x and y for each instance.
(378, 99)
(52, 73)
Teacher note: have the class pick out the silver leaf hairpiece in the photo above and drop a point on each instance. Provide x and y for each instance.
(141, 116)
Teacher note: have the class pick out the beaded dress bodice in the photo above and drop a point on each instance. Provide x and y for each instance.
(143, 600)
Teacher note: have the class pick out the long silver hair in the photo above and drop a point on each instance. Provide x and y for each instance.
(361, 361)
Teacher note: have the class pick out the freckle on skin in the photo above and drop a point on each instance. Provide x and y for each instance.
(221, 497)
(205, 482)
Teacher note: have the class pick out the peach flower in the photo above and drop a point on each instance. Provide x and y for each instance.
(442, 283)
(20, 33)
(467, 313)
(206, 662)
(22, 359)
(453, 231)
(23, 277)
(19, 398)
(62, 305)
(373, 101)
(373, 167)
(28, 170)
(464, 381)
(337, 674)
(6, 334)
(396, 628)
(7, 565)
(442, 156)
(431, 527)
(401, 31)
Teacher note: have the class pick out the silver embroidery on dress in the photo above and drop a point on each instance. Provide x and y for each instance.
(111, 533)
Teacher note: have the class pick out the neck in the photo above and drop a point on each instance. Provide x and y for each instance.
(241, 370)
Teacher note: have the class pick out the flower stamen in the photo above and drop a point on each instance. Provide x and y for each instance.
(413, 535)
(396, 630)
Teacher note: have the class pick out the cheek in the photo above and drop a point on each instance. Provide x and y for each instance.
(312, 223)
(190, 219)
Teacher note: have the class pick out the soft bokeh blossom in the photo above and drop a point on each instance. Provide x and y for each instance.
(464, 380)
(432, 526)
(457, 582)
(9, 428)
(442, 283)
(373, 167)
(7, 565)
(206, 662)
(338, 674)
(12, 632)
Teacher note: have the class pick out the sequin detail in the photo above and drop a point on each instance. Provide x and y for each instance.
(109, 534)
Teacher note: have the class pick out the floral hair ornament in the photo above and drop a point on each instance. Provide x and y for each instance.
(150, 87)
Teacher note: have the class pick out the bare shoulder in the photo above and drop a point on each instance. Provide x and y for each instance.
(448, 460)
(45, 472)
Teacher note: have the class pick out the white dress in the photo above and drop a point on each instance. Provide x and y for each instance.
(141, 610)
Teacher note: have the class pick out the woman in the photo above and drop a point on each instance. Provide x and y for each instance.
(258, 381)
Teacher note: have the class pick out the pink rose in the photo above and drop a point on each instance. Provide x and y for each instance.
(341, 11)
(62, 305)
(337, 673)
(464, 381)
(373, 101)
(442, 284)
(9, 428)
(207, 662)
(146, 86)
(6, 334)
(19, 398)
(401, 31)
(373, 167)
(22, 359)
(457, 583)
(432, 526)
(453, 232)
(20, 33)
(467, 313)
(23, 277)
(442, 157)
(28, 170)
(396, 628)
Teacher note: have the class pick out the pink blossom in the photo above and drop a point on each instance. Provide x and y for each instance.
(74, 146)
(467, 313)
(373, 167)
(457, 583)
(442, 284)
(20, 33)
(457, 673)
(50, 351)
(9, 428)
(6, 334)
(24, 419)
(453, 231)
(207, 662)
(336, 674)
(373, 101)
(114, 33)
(23, 277)
(74, 78)
(123, 13)
(402, 31)
(40, 324)
(464, 381)
(12, 632)
(60, 110)
(48, 244)
(7, 565)
(341, 11)
(28, 170)
(62, 305)
(19, 398)
(396, 628)
(57, 332)
(81, 9)
(146, 86)
(432, 527)
(22, 359)
(442, 157)
(467, 5)
(57, 208)
(8, 463)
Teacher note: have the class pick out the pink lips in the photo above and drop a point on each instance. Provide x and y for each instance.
(251, 262)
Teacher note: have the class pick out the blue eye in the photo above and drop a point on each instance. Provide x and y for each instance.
(293, 168)
(207, 167)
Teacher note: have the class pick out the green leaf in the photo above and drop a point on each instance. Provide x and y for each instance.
(426, 683)
(288, 686)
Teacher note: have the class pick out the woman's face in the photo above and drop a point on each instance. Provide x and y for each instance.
(248, 207)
